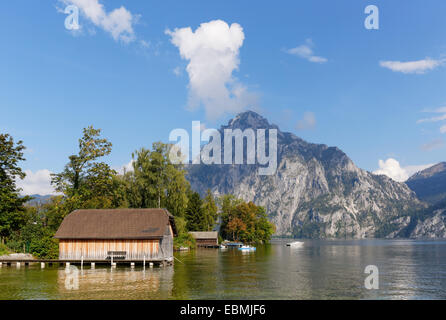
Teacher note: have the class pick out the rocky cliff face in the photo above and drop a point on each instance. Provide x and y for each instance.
(434, 226)
(316, 191)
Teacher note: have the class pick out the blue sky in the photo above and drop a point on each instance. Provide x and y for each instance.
(365, 92)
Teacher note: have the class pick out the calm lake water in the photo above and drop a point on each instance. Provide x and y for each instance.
(319, 270)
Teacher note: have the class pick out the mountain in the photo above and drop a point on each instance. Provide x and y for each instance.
(39, 199)
(430, 184)
(316, 191)
(432, 224)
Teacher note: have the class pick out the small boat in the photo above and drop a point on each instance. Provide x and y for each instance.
(223, 247)
(247, 248)
(295, 244)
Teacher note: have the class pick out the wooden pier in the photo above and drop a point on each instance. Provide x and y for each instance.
(92, 263)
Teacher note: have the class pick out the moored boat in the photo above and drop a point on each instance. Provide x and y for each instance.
(247, 248)
(295, 244)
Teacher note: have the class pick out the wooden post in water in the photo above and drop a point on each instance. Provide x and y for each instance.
(92, 265)
(82, 262)
(144, 262)
(67, 264)
(42, 265)
(18, 265)
(132, 265)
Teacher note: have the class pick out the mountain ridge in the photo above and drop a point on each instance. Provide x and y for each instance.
(430, 184)
(317, 190)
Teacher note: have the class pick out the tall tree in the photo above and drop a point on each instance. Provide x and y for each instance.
(86, 182)
(194, 213)
(210, 211)
(11, 204)
(156, 182)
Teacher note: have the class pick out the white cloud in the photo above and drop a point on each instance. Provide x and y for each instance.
(125, 168)
(144, 43)
(305, 51)
(436, 118)
(38, 182)
(392, 169)
(213, 54)
(177, 71)
(419, 66)
(308, 121)
(433, 119)
(119, 22)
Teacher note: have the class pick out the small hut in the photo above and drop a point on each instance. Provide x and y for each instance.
(119, 234)
(205, 238)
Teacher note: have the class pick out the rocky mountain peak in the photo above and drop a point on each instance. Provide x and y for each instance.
(430, 184)
(249, 119)
(429, 172)
(316, 191)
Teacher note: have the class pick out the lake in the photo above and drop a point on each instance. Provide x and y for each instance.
(321, 269)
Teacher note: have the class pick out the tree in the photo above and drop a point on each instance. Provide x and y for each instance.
(11, 204)
(156, 182)
(85, 182)
(91, 148)
(210, 211)
(235, 226)
(194, 213)
(243, 221)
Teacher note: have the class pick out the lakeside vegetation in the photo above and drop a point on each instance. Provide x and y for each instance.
(89, 183)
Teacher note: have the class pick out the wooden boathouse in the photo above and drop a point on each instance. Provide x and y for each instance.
(117, 235)
(207, 239)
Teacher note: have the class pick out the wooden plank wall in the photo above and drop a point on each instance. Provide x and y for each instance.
(97, 249)
(206, 242)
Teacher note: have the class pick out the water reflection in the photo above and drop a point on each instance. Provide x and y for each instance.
(318, 270)
(118, 283)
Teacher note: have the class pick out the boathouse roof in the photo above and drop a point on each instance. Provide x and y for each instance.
(116, 224)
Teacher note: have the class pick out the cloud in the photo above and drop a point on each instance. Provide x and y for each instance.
(213, 54)
(305, 51)
(144, 43)
(433, 145)
(419, 66)
(38, 182)
(392, 169)
(128, 167)
(433, 119)
(308, 121)
(119, 22)
(441, 117)
(177, 71)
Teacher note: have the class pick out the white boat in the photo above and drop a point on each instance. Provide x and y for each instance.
(223, 247)
(247, 248)
(295, 244)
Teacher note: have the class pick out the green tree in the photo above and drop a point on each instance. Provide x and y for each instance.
(210, 211)
(11, 204)
(184, 238)
(194, 213)
(91, 147)
(85, 182)
(243, 221)
(156, 182)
